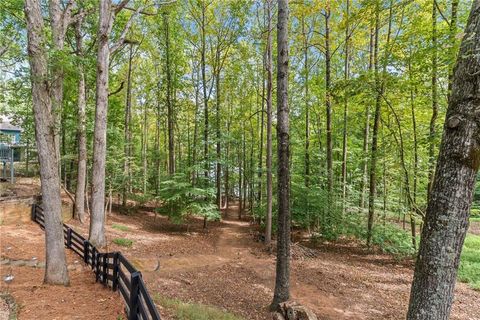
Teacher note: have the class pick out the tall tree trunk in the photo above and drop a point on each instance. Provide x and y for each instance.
(366, 132)
(433, 119)
(127, 130)
(170, 120)
(451, 37)
(97, 219)
(328, 102)
(446, 221)
(282, 278)
(82, 136)
(345, 106)
(268, 165)
(195, 128)
(204, 87)
(58, 26)
(145, 147)
(218, 171)
(262, 127)
(380, 88)
(56, 266)
(307, 104)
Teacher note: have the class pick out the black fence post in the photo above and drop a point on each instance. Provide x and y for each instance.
(97, 265)
(94, 257)
(69, 237)
(105, 269)
(85, 251)
(34, 212)
(134, 290)
(115, 272)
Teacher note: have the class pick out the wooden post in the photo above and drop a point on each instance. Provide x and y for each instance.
(34, 212)
(97, 265)
(115, 272)
(69, 237)
(133, 303)
(94, 255)
(85, 251)
(105, 269)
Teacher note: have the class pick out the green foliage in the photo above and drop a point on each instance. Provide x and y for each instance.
(194, 311)
(120, 227)
(123, 242)
(313, 207)
(388, 237)
(470, 262)
(180, 199)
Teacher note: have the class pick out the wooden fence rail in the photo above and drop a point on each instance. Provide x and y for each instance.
(111, 269)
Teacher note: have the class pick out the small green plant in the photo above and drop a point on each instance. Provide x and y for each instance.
(194, 311)
(123, 242)
(120, 227)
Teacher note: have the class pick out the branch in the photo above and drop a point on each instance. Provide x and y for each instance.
(120, 88)
(120, 6)
(441, 13)
(121, 40)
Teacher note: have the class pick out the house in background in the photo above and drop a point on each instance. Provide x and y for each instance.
(10, 144)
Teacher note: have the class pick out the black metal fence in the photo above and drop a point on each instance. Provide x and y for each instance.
(112, 269)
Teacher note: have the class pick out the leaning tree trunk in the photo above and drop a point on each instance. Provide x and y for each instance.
(97, 219)
(446, 221)
(282, 279)
(56, 267)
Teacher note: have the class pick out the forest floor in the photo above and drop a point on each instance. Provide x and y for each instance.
(22, 253)
(226, 268)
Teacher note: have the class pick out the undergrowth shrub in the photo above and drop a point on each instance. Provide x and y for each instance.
(180, 199)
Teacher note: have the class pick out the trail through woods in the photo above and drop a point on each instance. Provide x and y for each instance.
(227, 268)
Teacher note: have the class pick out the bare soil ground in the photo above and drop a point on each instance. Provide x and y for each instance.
(83, 299)
(226, 268)
(474, 228)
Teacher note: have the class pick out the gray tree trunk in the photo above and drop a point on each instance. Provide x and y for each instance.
(282, 278)
(97, 219)
(56, 267)
(433, 119)
(446, 221)
(269, 63)
(82, 139)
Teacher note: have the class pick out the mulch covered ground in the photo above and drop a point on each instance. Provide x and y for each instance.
(21, 248)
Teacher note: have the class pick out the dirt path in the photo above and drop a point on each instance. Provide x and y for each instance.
(227, 268)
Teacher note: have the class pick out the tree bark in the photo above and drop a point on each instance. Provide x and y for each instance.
(282, 278)
(446, 221)
(56, 266)
(366, 132)
(170, 120)
(127, 131)
(328, 103)
(82, 136)
(345, 107)
(204, 88)
(433, 119)
(268, 164)
(380, 89)
(97, 219)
